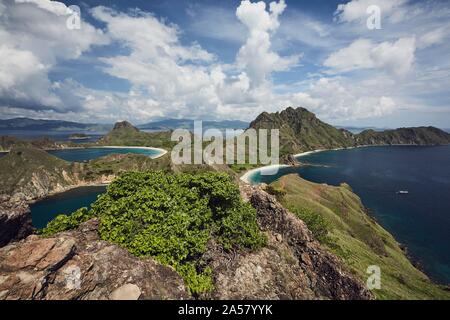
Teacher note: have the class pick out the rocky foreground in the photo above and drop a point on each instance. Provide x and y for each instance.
(78, 265)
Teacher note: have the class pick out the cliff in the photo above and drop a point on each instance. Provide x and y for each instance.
(301, 130)
(413, 136)
(29, 174)
(76, 264)
(339, 219)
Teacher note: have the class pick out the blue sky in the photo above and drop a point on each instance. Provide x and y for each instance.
(145, 60)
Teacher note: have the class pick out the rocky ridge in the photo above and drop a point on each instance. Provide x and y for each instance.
(76, 264)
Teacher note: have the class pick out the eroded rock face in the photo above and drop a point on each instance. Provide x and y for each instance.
(77, 265)
(15, 221)
(292, 266)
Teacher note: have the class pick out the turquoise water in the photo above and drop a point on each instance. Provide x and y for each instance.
(87, 154)
(64, 203)
(420, 219)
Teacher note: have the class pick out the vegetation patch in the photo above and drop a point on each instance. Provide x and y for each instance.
(338, 219)
(172, 217)
(315, 223)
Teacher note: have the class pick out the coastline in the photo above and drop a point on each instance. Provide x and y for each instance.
(415, 261)
(162, 151)
(246, 176)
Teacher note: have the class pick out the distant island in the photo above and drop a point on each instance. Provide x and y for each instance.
(78, 136)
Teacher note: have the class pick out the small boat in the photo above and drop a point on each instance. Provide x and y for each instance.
(402, 192)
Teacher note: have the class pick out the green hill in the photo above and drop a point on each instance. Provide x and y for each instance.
(339, 220)
(31, 173)
(417, 136)
(301, 130)
(125, 134)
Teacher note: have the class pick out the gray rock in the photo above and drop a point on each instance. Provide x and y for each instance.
(128, 291)
(78, 265)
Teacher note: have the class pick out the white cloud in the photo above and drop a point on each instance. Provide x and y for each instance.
(356, 10)
(339, 98)
(256, 56)
(433, 37)
(396, 57)
(33, 38)
(186, 79)
(171, 78)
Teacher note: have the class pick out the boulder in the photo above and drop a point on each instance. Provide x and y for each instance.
(78, 265)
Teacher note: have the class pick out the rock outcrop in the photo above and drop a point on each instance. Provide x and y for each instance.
(78, 265)
(15, 220)
(292, 266)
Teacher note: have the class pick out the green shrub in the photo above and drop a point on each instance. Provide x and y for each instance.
(275, 191)
(315, 223)
(64, 222)
(172, 217)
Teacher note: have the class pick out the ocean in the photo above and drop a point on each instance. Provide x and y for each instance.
(420, 219)
(67, 202)
(87, 154)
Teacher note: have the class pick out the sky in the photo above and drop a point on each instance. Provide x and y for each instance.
(141, 61)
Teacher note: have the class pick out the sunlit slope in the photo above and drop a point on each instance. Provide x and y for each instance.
(359, 240)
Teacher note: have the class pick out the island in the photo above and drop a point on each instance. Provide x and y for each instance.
(238, 241)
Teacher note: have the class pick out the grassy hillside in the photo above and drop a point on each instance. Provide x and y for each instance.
(419, 136)
(7, 143)
(125, 134)
(34, 172)
(300, 130)
(31, 171)
(354, 236)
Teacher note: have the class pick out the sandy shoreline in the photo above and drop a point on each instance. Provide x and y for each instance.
(163, 151)
(246, 176)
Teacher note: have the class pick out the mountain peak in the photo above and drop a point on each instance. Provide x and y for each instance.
(124, 125)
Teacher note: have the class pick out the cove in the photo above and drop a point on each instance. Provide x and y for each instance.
(86, 154)
(67, 202)
(419, 219)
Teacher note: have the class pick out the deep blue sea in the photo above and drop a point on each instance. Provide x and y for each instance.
(87, 154)
(64, 203)
(420, 219)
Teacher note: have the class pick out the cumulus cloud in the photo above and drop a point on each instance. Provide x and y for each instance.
(256, 56)
(337, 98)
(169, 77)
(396, 57)
(186, 79)
(33, 38)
